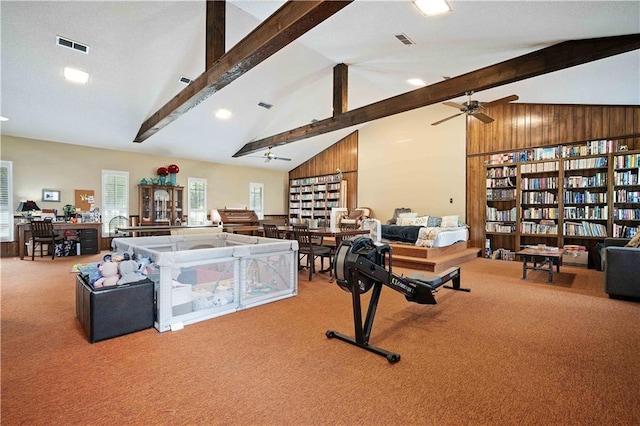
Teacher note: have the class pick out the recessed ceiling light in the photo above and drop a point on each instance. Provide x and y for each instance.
(416, 82)
(3, 118)
(432, 7)
(76, 76)
(223, 114)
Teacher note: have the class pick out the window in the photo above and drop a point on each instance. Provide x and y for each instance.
(6, 201)
(115, 196)
(256, 198)
(197, 200)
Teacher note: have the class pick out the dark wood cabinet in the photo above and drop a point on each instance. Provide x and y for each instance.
(161, 204)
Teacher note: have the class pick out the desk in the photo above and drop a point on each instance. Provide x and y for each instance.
(151, 230)
(542, 260)
(24, 232)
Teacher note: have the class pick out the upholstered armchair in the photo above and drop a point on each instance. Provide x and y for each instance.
(354, 218)
(622, 268)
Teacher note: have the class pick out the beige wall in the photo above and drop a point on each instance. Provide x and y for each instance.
(39, 164)
(404, 161)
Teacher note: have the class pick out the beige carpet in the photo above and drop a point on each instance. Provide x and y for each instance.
(509, 352)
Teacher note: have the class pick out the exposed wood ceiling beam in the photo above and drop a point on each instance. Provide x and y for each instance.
(340, 89)
(215, 31)
(288, 23)
(559, 56)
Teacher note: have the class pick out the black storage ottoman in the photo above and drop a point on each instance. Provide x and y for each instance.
(113, 311)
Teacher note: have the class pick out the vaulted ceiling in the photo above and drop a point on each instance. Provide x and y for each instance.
(139, 50)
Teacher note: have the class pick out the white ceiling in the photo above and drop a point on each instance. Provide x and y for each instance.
(138, 50)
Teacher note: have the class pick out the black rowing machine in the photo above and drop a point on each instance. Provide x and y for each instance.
(359, 265)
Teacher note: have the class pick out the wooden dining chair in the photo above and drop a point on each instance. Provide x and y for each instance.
(42, 233)
(271, 230)
(307, 249)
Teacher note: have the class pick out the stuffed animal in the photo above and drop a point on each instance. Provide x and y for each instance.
(129, 272)
(143, 262)
(109, 271)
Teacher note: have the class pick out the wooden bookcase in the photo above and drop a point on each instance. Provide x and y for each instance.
(626, 193)
(160, 204)
(313, 198)
(566, 194)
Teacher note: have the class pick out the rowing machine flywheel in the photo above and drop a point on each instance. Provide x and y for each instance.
(347, 255)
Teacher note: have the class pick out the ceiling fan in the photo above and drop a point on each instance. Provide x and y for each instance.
(474, 108)
(268, 156)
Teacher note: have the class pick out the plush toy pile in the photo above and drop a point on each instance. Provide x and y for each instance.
(115, 269)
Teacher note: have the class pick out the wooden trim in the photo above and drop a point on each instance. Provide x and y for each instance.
(340, 89)
(215, 31)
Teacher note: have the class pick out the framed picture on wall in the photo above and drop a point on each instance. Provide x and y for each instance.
(51, 195)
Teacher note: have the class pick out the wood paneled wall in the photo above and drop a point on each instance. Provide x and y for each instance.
(342, 155)
(520, 126)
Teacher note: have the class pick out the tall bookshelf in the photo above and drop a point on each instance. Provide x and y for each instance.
(539, 202)
(626, 194)
(313, 198)
(566, 194)
(501, 210)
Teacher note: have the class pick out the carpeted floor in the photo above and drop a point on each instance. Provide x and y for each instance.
(508, 352)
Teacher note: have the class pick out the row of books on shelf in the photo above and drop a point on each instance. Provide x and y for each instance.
(597, 180)
(626, 214)
(624, 196)
(595, 147)
(585, 163)
(586, 212)
(315, 180)
(540, 213)
(547, 166)
(621, 231)
(496, 215)
(545, 197)
(629, 161)
(625, 178)
(547, 227)
(585, 229)
(507, 182)
(505, 228)
(504, 171)
(584, 197)
(539, 183)
(501, 194)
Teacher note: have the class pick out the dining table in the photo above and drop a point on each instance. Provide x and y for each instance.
(338, 233)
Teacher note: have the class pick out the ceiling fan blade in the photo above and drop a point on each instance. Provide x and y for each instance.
(482, 117)
(454, 104)
(501, 101)
(448, 118)
(281, 158)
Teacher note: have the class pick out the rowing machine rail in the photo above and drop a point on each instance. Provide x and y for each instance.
(360, 265)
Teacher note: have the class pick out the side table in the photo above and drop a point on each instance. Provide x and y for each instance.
(542, 260)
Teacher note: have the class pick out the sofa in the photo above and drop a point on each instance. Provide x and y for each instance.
(622, 268)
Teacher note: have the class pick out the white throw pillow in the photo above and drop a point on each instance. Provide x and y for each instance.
(449, 221)
(403, 221)
(406, 215)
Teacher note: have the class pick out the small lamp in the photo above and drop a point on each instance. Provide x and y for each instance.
(27, 208)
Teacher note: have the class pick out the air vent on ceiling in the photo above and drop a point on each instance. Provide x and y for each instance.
(265, 105)
(185, 80)
(404, 39)
(65, 42)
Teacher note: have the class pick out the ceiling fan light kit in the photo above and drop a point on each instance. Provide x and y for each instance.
(474, 108)
(268, 156)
